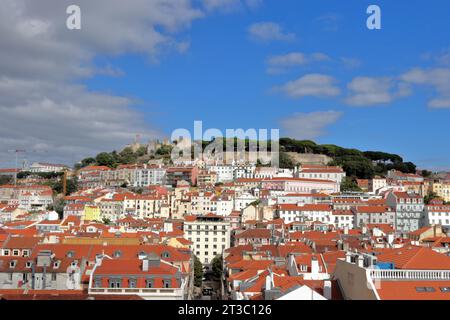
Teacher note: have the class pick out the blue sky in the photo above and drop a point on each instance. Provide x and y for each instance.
(222, 79)
(310, 68)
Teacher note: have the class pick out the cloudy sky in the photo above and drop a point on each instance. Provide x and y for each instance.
(310, 68)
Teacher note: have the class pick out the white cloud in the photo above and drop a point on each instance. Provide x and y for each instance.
(269, 31)
(317, 85)
(330, 21)
(437, 78)
(231, 5)
(281, 63)
(41, 105)
(351, 63)
(366, 91)
(309, 125)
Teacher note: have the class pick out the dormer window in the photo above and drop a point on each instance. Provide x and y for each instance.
(70, 254)
(117, 254)
(28, 264)
(56, 264)
(165, 254)
(12, 264)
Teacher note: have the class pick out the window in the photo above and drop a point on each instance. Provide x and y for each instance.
(425, 289)
(132, 283)
(6, 252)
(115, 283)
(15, 252)
(149, 284)
(167, 283)
(53, 276)
(445, 289)
(97, 282)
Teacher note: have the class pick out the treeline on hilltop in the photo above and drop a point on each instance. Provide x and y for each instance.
(114, 158)
(356, 163)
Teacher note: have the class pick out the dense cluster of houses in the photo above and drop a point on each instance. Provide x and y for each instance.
(133, 232)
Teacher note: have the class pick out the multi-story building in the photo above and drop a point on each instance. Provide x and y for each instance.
(437, 214)
(300, 185)
(441, 189)
(178, 174)
(39, 167)
(313, 212)
(409, 210)
(377, 183)
(149, 277)
(148, 175)
(365, 215)
(335, 174)
(206, 178)
(210, 236)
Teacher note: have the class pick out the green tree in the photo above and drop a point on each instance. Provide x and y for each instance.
(198, 272)
(105, 159)
(164, 150)
(72, 186)
(217, 266)
(349, 184)
(426, 173)
(127, 156)
(430, 196)
(285, 161)
(57, 206)
(87, 162)
(6, 179)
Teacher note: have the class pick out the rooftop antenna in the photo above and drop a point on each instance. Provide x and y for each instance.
(16, 166)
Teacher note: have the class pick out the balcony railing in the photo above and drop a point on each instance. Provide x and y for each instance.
(140, 291)
(410, 274)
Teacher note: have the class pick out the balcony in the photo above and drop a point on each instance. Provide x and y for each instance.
(377, 274)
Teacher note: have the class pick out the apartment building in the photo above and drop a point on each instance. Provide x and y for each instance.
(365, 215)
(437, 214)
(409, 210)
(209, 234)
(332, 173)
(148, 175)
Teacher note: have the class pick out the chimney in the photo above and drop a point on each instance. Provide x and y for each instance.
(314, 265)
(348, 257)
(364, 230)
(145, 264)
(360, 261)
(390, 238)
(346, 230)
(98, 259)
(327, 289)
